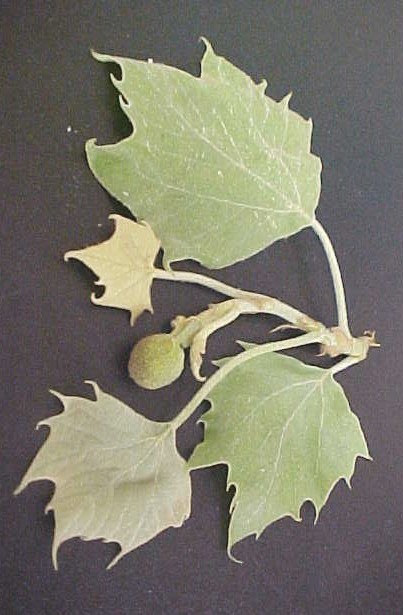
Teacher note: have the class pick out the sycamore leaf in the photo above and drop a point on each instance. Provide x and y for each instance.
(217, 168)
(117, 475)
(287, 434)
(125, 266)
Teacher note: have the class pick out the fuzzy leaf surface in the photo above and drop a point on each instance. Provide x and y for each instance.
(218, 169)
(124, 264)
(287, 434)
(118, 476)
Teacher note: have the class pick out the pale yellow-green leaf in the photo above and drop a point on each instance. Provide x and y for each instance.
(118, 476)
(287, 434)
(124, 264)
(218, 169)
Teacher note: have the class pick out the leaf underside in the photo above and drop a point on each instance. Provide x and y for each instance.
(118, 476)
(124, 264)
(287, 434)
(217, 168)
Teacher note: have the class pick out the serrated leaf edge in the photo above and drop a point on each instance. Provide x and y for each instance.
(230, 483)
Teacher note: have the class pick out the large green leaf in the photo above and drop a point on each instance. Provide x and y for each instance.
(118, 476)
(217, 168)
(287, 434)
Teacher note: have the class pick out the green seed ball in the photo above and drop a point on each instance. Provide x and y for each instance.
(156, 361)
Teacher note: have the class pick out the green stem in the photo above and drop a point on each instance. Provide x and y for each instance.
(202, 393)
(265, 304)
(345, 364)
(336, 276)
(201, 280)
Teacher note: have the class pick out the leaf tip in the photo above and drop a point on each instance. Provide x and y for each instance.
(116, 218)
(231, 556)
(216, 362)
(95, 387)
(90, 142)
(116, 83)
(207, 44)
(100, 57)
(262, 86)
(89, 146)
(284, 102)
(55, 548)
(45, 422)
(59, 396)
(94, 299)
(317, 513)
(70, 254)
(133, 318)
(20, 487)
(115, 560)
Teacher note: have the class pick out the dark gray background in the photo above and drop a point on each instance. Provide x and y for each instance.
(344, 63)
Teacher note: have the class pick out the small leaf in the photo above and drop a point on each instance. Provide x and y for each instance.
(217, 168)
(287, 434)
(125, 266)
(118, 476)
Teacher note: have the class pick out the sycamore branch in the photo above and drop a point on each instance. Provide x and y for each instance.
(337, 341)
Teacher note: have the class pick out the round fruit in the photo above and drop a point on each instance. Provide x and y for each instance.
(156, 361)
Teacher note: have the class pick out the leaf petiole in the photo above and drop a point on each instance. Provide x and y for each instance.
(336, 276)
(262, 303)
(303, 340)
(345, 364)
